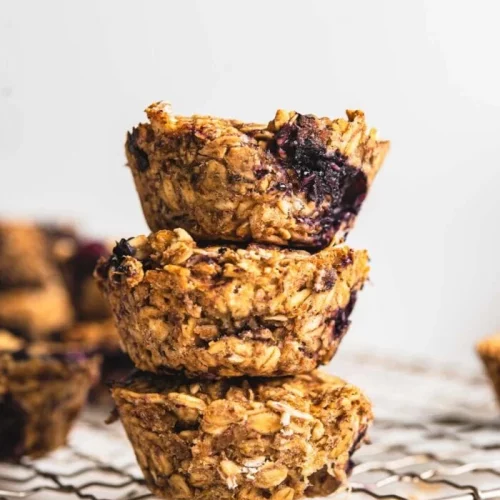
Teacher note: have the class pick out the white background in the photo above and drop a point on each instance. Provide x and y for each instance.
(74, 76)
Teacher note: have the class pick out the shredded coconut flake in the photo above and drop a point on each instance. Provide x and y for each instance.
(231, 482)
(284, 408)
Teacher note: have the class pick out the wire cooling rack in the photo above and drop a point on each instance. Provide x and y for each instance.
(437, 436)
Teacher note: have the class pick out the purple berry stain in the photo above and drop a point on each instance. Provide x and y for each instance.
(319, 172)
(140, 156)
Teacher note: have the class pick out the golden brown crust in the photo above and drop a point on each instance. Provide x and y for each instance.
(240, 439)
(299, 181)
(224, 311)
(33, 299)
(42, 389)
(489, 352)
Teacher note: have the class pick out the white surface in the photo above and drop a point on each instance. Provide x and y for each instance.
(74, 76)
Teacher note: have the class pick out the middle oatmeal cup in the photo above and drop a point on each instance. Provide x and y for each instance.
(223, 311)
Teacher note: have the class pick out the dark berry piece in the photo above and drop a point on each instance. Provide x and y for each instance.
(329, 279)
(262, 172)
(123, 248)
(341, 319)
(133, 148)
(301, 148)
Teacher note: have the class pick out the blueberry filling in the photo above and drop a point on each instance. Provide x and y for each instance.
(329, 280)
(321, 174)
(12, 424)
(341, 319)
(121, 250)
(140, 156)
(260, 173)
(358, 440)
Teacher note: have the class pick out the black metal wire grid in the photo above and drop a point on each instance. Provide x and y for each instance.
(437, 436)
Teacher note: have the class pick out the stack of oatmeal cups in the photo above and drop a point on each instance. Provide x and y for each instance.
(242, 290)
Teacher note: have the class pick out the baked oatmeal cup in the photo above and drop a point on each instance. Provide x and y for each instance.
(223, 311)
(253, 439)
(298, 181)
(43, 387)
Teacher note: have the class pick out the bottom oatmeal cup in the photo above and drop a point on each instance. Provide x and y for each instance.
(251, 439)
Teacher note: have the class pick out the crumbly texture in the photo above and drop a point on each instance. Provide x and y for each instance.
(251, 439)
(222, 311)
(33, 299)
(489, 352)
(42, 389)
(298, 181)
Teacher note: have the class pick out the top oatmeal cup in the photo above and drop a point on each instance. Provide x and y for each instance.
(298, 181)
